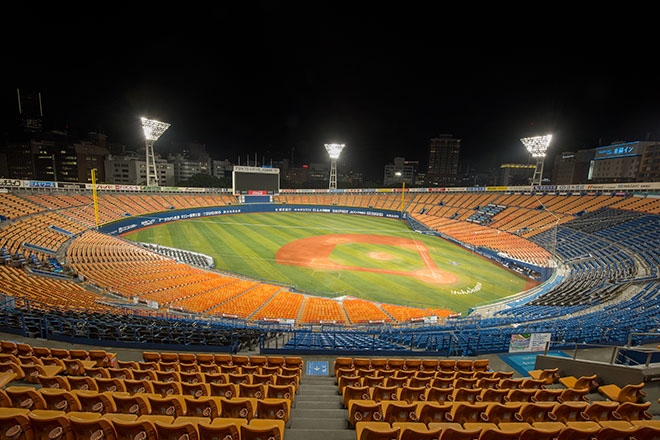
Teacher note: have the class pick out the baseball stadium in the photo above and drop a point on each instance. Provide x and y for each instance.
(259, 312)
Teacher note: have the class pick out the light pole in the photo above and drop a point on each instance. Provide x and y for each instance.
(537, 147)
(152, 131)
(334, 150)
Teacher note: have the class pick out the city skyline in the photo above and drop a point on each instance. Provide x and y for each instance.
(265, 81)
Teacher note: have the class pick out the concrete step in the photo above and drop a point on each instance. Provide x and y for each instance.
(322, 413)
(316, 423)
(316, 397)
(321, 404)
(319, 380)
(317, 434)
(311, 387)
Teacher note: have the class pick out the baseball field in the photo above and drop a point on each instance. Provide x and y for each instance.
(333, 255)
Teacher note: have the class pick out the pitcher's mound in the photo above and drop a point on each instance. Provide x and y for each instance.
(383, 256)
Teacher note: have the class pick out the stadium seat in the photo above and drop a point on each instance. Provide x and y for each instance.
(53, 425)
(92, 429)
(629, 393)
(376, 431)
(582, 383)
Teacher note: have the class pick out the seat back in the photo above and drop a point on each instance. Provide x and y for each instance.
(82, 383)
(412, 394)
(52, 427)
(502, 413)
(54, 382)
(466, 395)
(491, 395)
(229, 431)
(573, 395)
(166, 388)
(432, 412)
(466, 413)
(399, 411)
(381, 393)
(25, 397)
(15, 425)
(134, 386)
(92, 429)
(280, 392)
(191, 377)
(366, 411)
(631, 393)
(353, 393)
(227, 390)
(602, 411)
(176, 431)
(120, 373)
(586, 382)
(110, 385)
(276, 409)
(464, 365)
(634, 411)
(440, 394)
(167, 406)
(260, 432)
(60, 400)
(535, 412)
(237, 409)
(202, 407)
(133, 430)
(92, 401)
(570, 412)
(137, 405)
(257, 391)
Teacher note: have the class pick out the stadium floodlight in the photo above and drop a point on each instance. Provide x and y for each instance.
(152, 131)
(334, 150)
(537, 147)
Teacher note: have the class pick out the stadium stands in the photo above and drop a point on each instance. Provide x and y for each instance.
(603, 244)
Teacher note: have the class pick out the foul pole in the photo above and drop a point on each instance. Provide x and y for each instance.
(96, 200)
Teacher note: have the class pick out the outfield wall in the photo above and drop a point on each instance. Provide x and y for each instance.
(131, 224)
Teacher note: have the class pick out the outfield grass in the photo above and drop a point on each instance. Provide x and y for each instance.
(247, 243)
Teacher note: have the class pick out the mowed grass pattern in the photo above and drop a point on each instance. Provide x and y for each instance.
(247, 244)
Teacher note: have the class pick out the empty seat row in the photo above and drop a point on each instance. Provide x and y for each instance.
(413, 364)
(502, 384)
(31, 399)
(210, 368)
(421, 373)
(280, 387)
(646, 429)
(45, 424)
(223, 359)
(442, 395)
(463, 412)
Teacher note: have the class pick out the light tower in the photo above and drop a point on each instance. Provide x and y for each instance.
(537, 147)
(152, 131)
(334, 150)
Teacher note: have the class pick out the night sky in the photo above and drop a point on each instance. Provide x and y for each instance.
(273, 76)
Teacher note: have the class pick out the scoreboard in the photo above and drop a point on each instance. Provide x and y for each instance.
(255, 181)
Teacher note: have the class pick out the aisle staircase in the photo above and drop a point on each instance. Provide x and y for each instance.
(318, 412)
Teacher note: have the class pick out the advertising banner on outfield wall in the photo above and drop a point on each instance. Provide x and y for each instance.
(604, 187)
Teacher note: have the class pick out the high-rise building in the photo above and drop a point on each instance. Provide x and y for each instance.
(444, 153)
(90, 156)
(649, 170)
(619, 162)
(398, 172)
(131, 169)
(30, 111)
